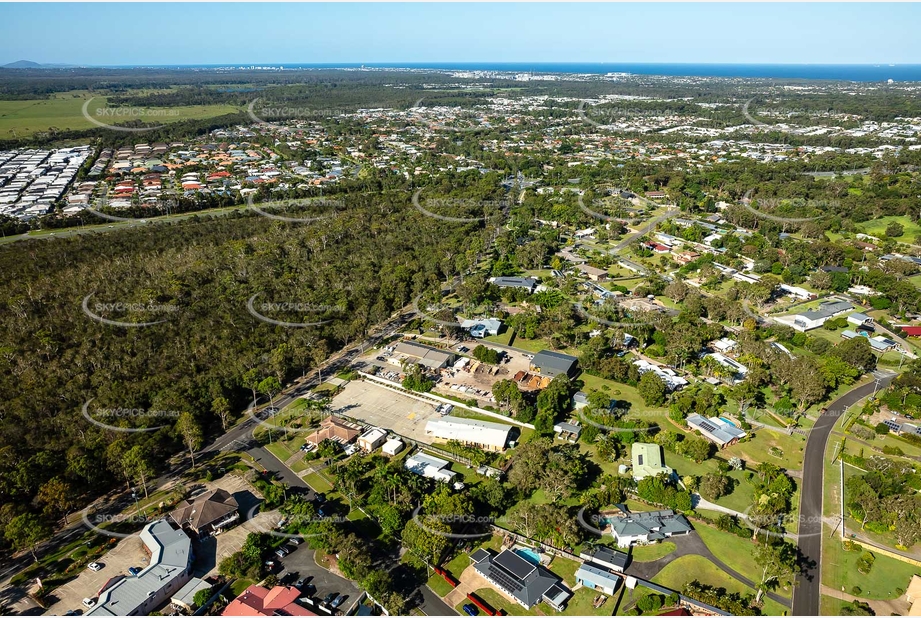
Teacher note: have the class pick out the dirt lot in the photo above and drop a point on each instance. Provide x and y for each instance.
(368, 402)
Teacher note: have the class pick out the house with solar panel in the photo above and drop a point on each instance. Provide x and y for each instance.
(519, 579)
(715, 429)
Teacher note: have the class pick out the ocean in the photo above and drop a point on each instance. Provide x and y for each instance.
(846, 72)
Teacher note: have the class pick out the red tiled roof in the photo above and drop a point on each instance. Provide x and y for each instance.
(259, 601)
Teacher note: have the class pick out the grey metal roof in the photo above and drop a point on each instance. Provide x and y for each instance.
(526, 582)
(606, 556)
(170, 558)
(546, 359)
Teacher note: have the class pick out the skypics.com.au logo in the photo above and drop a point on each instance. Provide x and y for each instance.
(276, 525)
(99, 416)
(259, 311)
(105, 116)
(455, 204)
(772, 203)
(460, 527)
(303, 210)
(122, 308)
(268, 115)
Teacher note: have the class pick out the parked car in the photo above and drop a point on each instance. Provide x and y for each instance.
(339, 600)
(89, 603)
(295, 541)
(95, 566)
(281, 553)
(330, 597)
(134, 570)
(309, 590)
(471, 610)
(299, 583)
(321, 498)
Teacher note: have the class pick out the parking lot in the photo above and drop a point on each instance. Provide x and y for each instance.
(300, 564)
(127, 553)
(379, 406)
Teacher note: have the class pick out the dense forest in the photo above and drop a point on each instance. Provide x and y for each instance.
(208, 353)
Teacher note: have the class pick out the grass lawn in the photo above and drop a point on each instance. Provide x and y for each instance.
(565, 569)
(877, 227)
(757, 450)
(830, 606)
(238, 586)
(735, 551)
(283, 449)
(318, 482)
(688, 568)
(504, 338)
(651, 553)
(839, 569)
(438, 584)
(579, 605)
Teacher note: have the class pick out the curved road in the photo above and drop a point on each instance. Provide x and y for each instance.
(807, 591)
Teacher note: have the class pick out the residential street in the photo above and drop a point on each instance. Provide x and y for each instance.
(807, 591)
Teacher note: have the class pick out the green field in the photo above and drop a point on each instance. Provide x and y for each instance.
(877, 227)
(651, 553)
(64, 111)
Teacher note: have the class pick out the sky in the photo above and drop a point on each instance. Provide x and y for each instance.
(250, 33)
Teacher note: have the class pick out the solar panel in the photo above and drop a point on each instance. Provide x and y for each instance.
(514, 564)
(505, 579)
(708, 425)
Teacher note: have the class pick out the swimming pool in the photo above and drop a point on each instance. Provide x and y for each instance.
(528, 554)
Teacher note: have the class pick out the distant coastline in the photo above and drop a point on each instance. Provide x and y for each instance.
(847, 72)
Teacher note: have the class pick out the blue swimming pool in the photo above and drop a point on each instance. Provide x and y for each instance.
(528, 554)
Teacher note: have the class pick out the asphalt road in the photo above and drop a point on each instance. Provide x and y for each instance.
(650, 225)
(807, 591)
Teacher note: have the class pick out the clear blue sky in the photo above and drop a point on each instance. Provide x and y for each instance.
(234, 33)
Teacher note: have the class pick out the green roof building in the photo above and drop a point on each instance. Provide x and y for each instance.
(648, 461)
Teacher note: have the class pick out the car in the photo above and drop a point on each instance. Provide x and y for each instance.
(309, 590)
(330, 597)
(339, 600)
(281, 553)
(295, 541)
(89, 603)
(471, 610)
(73, 612)
(134, 571)
(321, 498)
(299, 583)
(95, 566)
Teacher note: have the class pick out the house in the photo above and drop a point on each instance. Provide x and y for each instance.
(738, 370)
(335, 429)
(672, 380)
(882, 344)
(567, 431)
(834, 308)
(911, 331)
(795, 292)
(185, 598)
(809, 320)
(525, 283)
(595, 274)
(425, 355)
(724, 345)
(392, 447)
(482, 328)
(259, 601)
(482, 434)
(552, 364)
(860, 319)
(648, 461)
(430, 467)
(719, 431)
(519, 579)
(371, 439)
(655, 195)
(647, 527)
(606, 557)
(209, 513)
(597, 579)
(168, 570)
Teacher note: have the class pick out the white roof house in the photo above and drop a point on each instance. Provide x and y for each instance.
(392, 447)
(429, 467)
(168, 571)
(859, 319)
(372, 439)
(486, 435)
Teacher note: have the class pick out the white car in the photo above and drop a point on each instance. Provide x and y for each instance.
(89, 603)
(95, 566)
